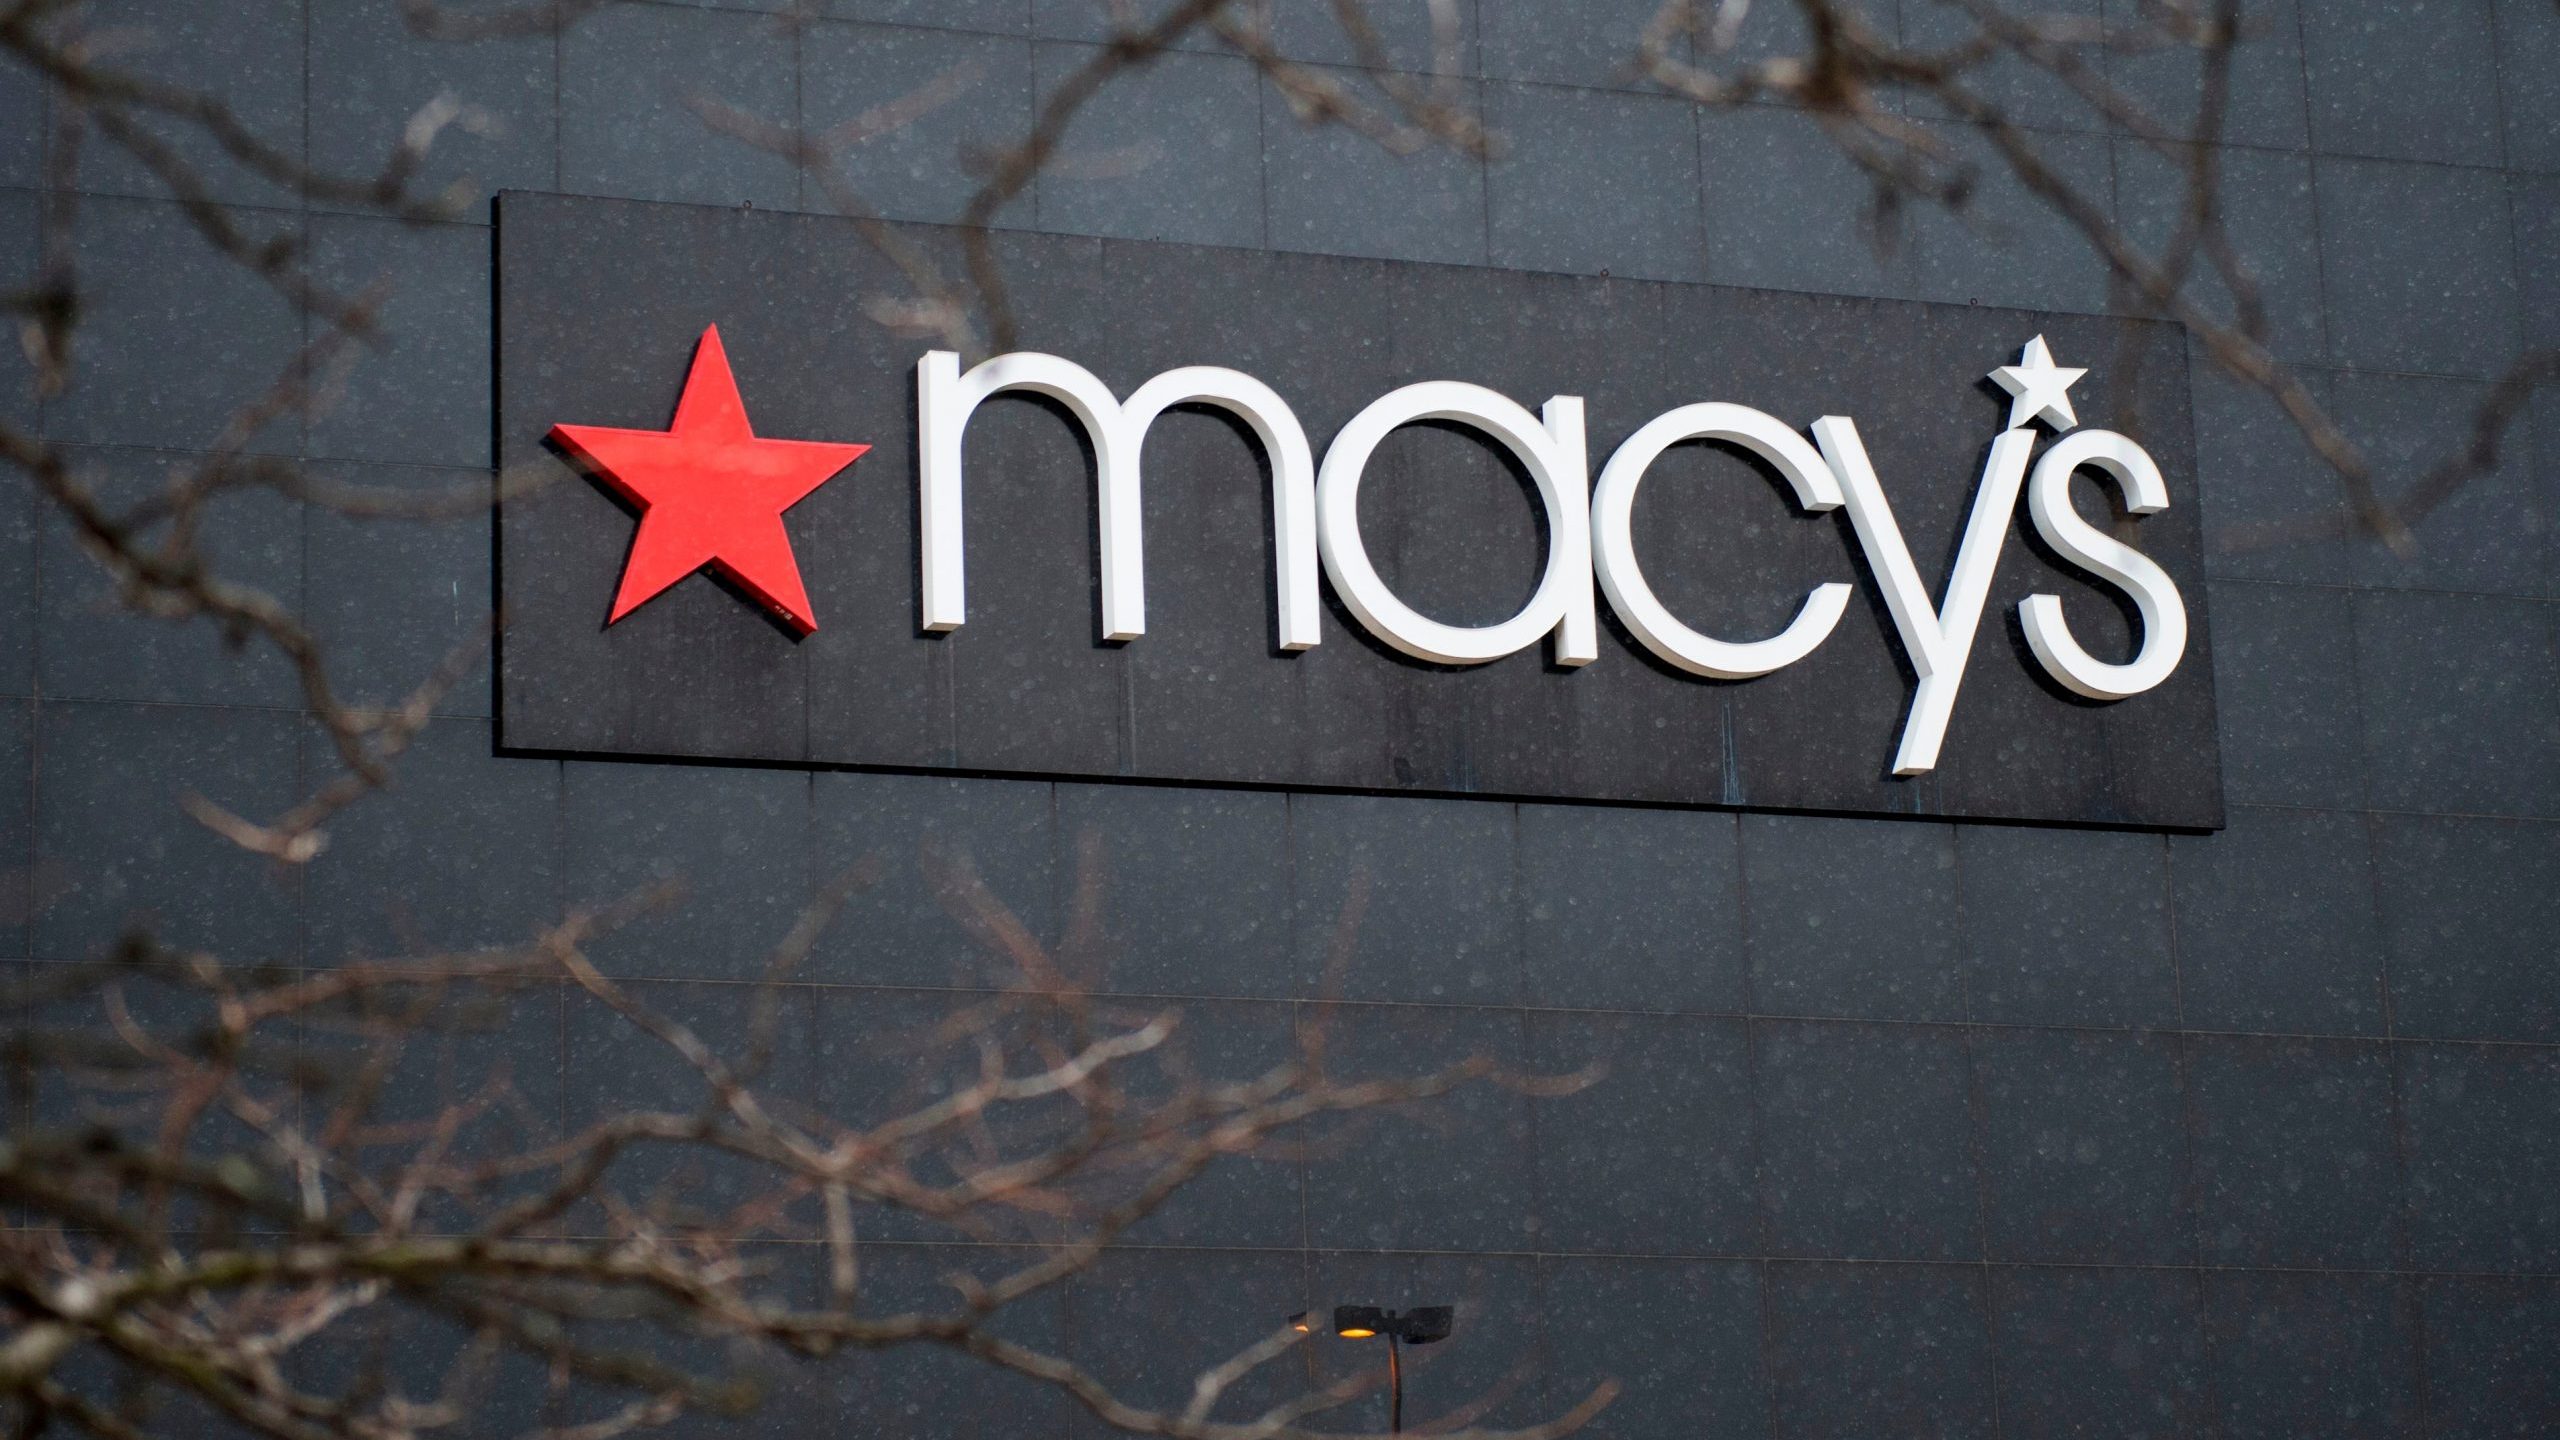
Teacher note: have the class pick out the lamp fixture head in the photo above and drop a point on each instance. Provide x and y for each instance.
(1427, 1323)
(1358, 1322)
(1419, 1326)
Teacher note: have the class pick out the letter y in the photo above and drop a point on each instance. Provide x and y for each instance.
(1938, 638)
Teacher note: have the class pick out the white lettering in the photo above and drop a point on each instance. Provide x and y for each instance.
(2155, 596)
(1937, 638)
(1316, 515)
(1613, 549)
(1550, 447)
(946, 398)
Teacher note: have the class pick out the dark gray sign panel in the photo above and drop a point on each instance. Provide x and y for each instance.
(601, 304)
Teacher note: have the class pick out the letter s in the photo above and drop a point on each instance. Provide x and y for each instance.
(2164, 615)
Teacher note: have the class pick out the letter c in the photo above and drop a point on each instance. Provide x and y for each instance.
(1622, 579)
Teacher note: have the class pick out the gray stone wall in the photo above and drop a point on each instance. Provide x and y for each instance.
(1910, 1128)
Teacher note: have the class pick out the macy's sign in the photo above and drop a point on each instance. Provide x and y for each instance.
(711, 495)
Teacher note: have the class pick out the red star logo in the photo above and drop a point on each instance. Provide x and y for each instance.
(710, 492)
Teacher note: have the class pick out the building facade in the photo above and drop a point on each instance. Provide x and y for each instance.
(1905, 1126)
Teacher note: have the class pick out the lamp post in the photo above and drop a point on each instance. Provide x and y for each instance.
(1421, 1325)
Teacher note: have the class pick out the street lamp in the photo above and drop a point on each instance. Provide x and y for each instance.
(1418, 1326)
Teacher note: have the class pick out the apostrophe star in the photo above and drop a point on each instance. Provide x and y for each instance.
(2042, 389)
(711, 493)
